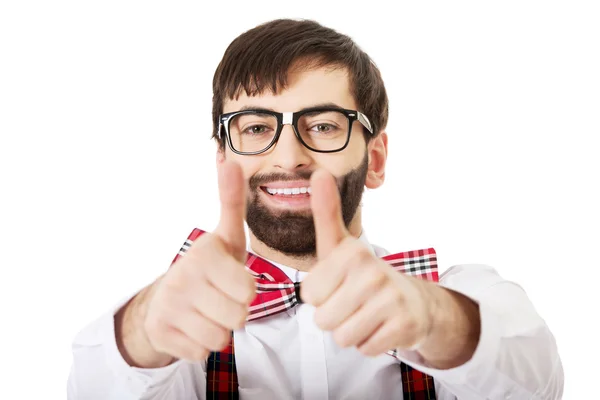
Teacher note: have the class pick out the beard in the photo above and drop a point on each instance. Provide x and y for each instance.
(293, 233)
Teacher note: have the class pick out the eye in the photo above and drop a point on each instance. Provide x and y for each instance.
(323, 128)
(256, 129)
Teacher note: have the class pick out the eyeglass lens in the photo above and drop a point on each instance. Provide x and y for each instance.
(321, 130)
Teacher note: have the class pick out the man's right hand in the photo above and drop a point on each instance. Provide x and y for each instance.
(192, 309)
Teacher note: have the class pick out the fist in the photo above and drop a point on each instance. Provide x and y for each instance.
(357, 296)
(195, 305)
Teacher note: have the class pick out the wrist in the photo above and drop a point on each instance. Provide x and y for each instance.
(427, 292)
(454, 331)
(131, 336)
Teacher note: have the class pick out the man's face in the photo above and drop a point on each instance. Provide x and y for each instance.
(284, 221)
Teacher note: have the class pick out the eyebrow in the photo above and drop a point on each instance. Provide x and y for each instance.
(316, 106)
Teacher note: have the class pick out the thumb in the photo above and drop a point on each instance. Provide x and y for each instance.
(326, 207)
(232, 194)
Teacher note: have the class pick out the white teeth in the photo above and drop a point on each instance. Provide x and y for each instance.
(309, 191)
(288, 191)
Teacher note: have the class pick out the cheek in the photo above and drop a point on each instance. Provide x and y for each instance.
(337, 164)
(250, 164)
(341, 163)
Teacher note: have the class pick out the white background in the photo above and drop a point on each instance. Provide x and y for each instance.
(106, 162)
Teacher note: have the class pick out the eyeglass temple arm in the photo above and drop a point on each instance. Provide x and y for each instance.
(221, 126)
(362, 118)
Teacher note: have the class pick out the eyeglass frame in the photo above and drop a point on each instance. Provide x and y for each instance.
(291, 118)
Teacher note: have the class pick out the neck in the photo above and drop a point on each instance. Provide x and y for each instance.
(301, 263)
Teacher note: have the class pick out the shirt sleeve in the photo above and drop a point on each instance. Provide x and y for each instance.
(98, 370)
(516, 357)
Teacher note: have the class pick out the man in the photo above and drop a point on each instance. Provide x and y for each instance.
(299, 116)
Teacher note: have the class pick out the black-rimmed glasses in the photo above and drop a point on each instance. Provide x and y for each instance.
(324, 130)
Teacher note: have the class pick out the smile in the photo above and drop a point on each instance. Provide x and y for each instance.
(288, 191)
(291, 195)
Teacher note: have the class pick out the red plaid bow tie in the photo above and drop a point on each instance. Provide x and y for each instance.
(277, 293)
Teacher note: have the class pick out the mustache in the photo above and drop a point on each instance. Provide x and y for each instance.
(262, 179)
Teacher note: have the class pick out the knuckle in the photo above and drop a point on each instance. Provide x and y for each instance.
(306, 290)
(396, 297)
(208, 334)
(322, 321)
(249, 290)
(222, 339)
(341, 337)
(204, 243)
(312, 292)
(218, 339)
(358, 258)
(212, 340)
(164, 308)
(239, 318)
(206, 252)
(408, 326)
(199, 354)
(348, 244)
(175, 281)
(231, 315)
(390, 294)
(361, 253)
(313, 296)
(373, 279)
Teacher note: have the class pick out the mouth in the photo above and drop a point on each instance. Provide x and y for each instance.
(287, 195)
(288, 191)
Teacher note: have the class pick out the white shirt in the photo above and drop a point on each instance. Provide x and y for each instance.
(285, 356)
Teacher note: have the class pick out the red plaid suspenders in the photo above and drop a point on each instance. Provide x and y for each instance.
(277, 293)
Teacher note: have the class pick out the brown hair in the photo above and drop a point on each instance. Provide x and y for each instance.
(261, 58)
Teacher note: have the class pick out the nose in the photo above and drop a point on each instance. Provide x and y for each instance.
(289, 154)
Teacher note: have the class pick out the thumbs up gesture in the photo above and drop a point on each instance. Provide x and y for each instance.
(205, 295)
(357, 296)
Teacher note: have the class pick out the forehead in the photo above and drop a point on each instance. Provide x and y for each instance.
(305, 88)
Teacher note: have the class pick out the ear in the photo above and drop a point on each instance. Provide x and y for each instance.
(377, 153)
